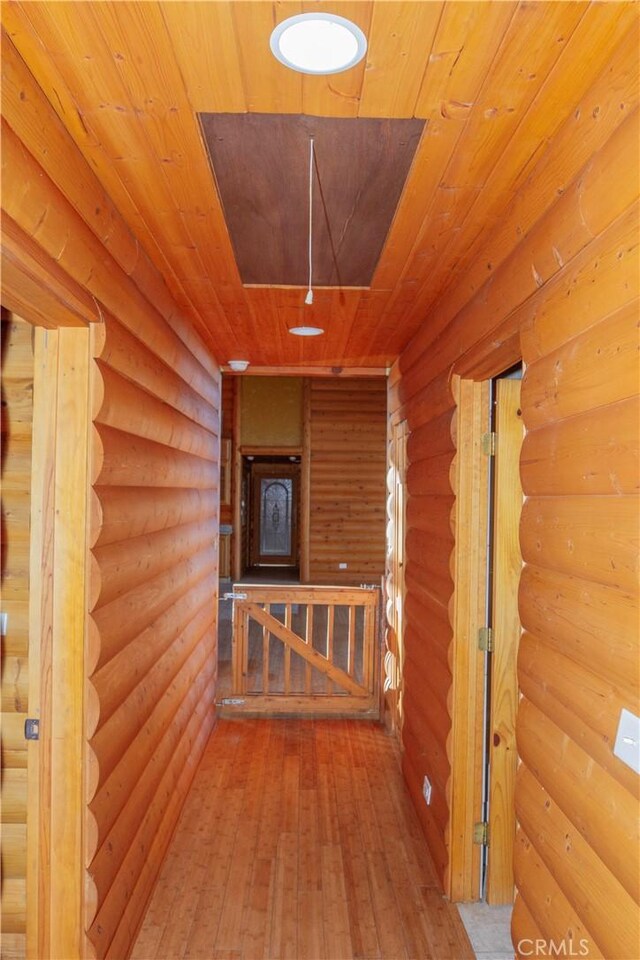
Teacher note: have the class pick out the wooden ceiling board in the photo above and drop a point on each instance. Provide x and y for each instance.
(532, 43)
(209, 66)
(73, 96)
(261, 166)
(502, 94)
(269, 86)
(162, 111)
(466, 42)
(338, 95)
(547, 137)
(401, 40)
(568, 134)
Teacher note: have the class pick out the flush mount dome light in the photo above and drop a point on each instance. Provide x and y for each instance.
(238, 366)
(319, 43)
(306, 331)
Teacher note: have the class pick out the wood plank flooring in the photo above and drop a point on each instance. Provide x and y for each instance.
(298, 840)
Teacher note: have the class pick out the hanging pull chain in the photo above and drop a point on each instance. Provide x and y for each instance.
(309, 297)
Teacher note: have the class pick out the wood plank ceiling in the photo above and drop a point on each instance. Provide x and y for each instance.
(494, 81)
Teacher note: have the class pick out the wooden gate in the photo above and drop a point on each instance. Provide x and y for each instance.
(305, 650)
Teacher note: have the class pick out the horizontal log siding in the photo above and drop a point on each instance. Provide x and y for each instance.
(153, 619)
(564, 297)
(347, 442)
(153, 507)
(17, 404)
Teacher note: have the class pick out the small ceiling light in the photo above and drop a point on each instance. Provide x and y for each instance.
(238, 366)
(306, 331)
(318, 43)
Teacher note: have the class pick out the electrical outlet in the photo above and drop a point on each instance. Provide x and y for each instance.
(4, 623)
(342, 566)
(627, 745)
(426, 790)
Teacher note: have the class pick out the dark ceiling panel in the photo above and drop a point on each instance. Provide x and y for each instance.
(261, 165)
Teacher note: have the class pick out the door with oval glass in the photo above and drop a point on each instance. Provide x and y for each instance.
(274, 514)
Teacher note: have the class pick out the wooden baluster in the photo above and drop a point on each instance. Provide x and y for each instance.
(309, 640)
(351, 642)
(330, 621)
(368, 644)
(265, 657)
(287, 651)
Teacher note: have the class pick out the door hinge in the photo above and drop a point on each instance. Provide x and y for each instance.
(234, 596)
(489, 444)
(481, 833)
(485, 639)
(31, 729)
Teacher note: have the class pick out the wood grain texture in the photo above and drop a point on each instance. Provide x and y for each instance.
(301, 814)
(347, 449)
(17, 424)
(261, 162)
(575, 322)
(511, 95)
(505, 619)
(152, 637)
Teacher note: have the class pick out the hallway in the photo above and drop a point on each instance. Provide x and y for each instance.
(298, 840)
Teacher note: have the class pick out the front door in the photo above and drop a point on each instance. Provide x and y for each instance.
(274, 514)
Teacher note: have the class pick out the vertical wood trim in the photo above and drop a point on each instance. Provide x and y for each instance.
(287, 651)
(265, 660)
(238, 538)
(309, 640)
(305, 486)
(507, 565)
(352, 642)
(330, 621)
(370, 646)
(468, 606)
(40, 648)
(69, 625)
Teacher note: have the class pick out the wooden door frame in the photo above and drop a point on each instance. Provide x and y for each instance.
(243, 450)
(470, 478)
(469, 611)
(293, 471)
(58, 604)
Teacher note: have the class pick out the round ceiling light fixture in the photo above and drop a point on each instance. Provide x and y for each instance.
(305, 331)
(318, 43)
(238, 366)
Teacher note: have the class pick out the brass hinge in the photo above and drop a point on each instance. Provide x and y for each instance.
(481, 833)
(485, 639)
(489, 444)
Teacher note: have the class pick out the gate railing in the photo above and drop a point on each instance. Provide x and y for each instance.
(305, 649)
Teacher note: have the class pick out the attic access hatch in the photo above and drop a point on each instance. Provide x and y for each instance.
(261, 166)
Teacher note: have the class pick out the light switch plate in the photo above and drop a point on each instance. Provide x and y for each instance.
(627, 745)
(4, 623)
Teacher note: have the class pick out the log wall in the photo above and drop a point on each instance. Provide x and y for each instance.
(17, 414)
(557, 284)
(153, 509)
(346, 437)
(152, 630)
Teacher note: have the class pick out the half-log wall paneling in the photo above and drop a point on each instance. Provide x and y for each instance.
(563, 295)
(153, 521)
(17, 410)
(347, 486)
(153, 615)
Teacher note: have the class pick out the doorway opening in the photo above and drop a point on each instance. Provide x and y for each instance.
(270, 518)
(486, 637)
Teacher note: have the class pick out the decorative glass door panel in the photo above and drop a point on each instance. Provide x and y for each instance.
(276, 512)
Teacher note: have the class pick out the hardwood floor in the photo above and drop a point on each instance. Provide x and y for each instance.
(298, 840)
